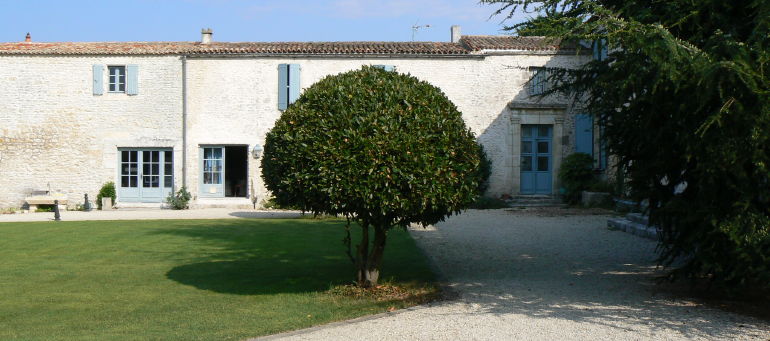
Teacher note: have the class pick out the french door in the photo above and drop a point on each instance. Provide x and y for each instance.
(146, 175)
(212, 171)
(536, 159)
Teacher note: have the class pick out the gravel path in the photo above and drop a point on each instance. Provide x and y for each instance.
(525, 276)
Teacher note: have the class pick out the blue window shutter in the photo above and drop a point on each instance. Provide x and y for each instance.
(98, 79)
(584, 134)
(132, 79)
(283, 82)
(294, 86)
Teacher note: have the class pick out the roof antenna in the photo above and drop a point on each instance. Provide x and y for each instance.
(416, 27)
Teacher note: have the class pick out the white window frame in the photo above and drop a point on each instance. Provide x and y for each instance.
(111, 82)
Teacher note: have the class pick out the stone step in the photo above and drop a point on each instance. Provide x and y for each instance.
(533, 196)
(637, 229)
(626, 205)
(638, 218)
(233, 203)
(545, 204)
(535, 201)
(135, 206)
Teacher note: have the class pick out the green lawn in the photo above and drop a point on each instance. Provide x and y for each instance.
(183, 279)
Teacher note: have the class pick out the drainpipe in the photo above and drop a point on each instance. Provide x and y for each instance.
(184, 122)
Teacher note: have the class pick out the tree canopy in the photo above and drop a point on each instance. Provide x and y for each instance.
(381, 148)
(684, 99)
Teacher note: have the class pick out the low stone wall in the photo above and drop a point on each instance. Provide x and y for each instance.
(590, 199)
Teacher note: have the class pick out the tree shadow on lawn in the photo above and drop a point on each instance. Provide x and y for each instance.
(263, 257)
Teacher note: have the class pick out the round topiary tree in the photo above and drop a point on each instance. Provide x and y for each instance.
(381, 148)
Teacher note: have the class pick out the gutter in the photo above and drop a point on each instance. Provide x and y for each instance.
(184, 121)
(334, 56)
(532, 52)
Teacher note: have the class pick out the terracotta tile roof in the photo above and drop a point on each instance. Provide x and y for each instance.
(363, 47)
(467, 45)
(478, 43)
(101, 48)
(170, 48)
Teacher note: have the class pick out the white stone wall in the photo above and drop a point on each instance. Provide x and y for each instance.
(55, 132)
(234, 101)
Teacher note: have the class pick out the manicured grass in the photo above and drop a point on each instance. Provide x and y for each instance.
(183, 279)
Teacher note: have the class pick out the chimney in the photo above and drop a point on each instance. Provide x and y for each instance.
(455, 33)
(28, 38)
(206, 34)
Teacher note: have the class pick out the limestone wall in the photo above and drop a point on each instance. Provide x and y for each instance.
(234, 101)
(55, 132)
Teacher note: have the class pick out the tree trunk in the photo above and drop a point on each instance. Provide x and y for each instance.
(368, 263)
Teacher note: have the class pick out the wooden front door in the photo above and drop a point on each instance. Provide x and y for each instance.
(536, 159)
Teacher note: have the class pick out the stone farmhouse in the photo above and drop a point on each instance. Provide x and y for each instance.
(154, 116)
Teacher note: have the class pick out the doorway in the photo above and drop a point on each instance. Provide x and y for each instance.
(145, 175)
(224, 171)
(236, 166)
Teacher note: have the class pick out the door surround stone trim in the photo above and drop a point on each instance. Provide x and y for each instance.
(534, 113)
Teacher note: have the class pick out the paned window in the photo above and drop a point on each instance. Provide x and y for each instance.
(117, 79)
(538, 82)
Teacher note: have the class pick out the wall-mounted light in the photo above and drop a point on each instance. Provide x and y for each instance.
(257, 151)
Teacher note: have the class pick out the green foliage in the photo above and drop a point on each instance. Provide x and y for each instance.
(44, 208)
(378, 146)
(489, 203)
(485, 170)
(684, 97)
(382, 148)
(602, 186)
(272, 204)
(180, 200)
(107, 191)
(576, 175)
(9, 210)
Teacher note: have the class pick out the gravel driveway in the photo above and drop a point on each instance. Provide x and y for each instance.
(521, 275)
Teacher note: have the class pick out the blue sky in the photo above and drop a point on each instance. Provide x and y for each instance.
(242, 20)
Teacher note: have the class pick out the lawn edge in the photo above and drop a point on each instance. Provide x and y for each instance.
(446, 294)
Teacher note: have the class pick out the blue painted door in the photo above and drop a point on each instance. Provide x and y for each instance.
(146, 175)
(212, 171)
(536, 159)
